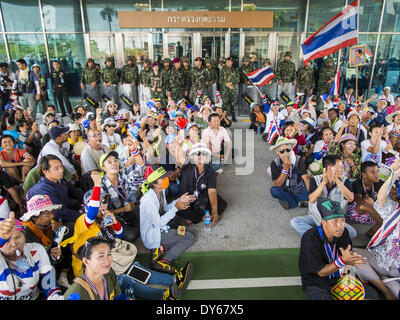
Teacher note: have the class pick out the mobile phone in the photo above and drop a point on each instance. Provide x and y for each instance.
(139, 274)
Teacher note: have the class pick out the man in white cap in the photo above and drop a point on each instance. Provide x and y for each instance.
(289, 175)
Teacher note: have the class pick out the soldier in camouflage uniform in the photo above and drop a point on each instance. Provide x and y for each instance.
(144, 88)
(156, 82)
(305, 81)
(90, 81)
(326, 76)
(245, 85)
(129, 80)
(286, 74)
(229, 79)
(212, 78)
(198, 78)
(186, 68)
(110, 77)
(177, 82)
(166, 74)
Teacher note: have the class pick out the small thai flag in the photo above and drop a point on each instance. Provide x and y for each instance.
(335, 85)
(272, 134)
(261, 76)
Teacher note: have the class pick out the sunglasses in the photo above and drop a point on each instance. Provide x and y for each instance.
(284, 151)
(201, 153)
(111, 126)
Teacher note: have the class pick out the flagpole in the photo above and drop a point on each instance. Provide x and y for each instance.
(356, 83)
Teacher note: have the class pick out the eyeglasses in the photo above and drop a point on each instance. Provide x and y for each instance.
(284, 151)
(201, 153)
(96, 135)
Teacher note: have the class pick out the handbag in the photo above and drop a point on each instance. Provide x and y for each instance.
(348, 287)
(123, 254)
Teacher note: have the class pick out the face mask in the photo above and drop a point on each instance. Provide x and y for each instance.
(165, 183)
(292, 157)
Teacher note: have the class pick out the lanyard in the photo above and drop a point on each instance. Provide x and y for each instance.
(331, 253)
(123, 196)
(372, 189)
(198, 178)
(97, 291)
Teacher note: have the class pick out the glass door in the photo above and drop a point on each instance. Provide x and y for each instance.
(180, 46)
(101, 47)
(256, 47)
(213, 45)
(137, 46)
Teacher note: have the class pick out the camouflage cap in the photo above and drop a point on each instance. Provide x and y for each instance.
(166, 60)
(268, 60)
(90, 60)
(132, 58)
(207, 60)
(185, 59)
(288, 53)
(329, 59)
(221, 59)
(229, 58)
(246, 58)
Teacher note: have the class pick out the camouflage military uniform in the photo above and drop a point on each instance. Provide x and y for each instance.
(305, 81)
(156, 85)
(187, 73)
(144, 90)
(166, 75)
(177, 84)
(111, 74)
(286, 72)
(326, 73)
(90, 75)
(245, 85)
(198, 78)
(129, 75)
(229, 96)
(212, 78)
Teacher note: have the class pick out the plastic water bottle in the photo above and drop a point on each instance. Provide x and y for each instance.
(207, 222)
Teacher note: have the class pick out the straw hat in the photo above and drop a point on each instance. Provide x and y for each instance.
(389, 118)
(78, 147)
(282, 141)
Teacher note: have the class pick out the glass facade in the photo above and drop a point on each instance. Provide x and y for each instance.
(72, 31)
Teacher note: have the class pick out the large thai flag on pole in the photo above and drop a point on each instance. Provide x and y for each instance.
(339, 32)
(261, 76)
(335, 85)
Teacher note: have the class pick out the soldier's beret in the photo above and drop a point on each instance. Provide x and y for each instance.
(176, 60)
(229, 58)
(154, 64)
(198, 59)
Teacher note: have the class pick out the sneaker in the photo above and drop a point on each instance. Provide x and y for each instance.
(63, 281)
(219, 171)
(183, 278)
(285, 205)
(169, 293)
(164, 266)
(156, 255)
(303, 204)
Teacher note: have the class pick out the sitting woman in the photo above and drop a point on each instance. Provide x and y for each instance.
(352, 126)
(257, 118)
(382, 270)
(39, 229)
(110, 139)
(199, 179)
(27, 276)
(110, 112)
(291, 130)
(157, 217)
(16, 162)
(202, 120)
(345, 150)
(29, 137)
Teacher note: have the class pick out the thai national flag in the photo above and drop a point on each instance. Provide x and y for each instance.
(261, 76)
(339, 32)
(335, 85)
(273, 133)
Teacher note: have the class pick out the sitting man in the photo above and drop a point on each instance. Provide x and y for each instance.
(198, 178)
(214, 136)
(51, 183)
(332, 185)
(326, 249)
(365, 191)
(16, 162)
(90, 156)
(289, 175)
(59, 147)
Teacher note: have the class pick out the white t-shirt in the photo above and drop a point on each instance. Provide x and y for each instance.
(367, 156)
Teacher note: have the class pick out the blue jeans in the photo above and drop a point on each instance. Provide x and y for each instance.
(292, 198)
(131, 288)
(303, 223)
